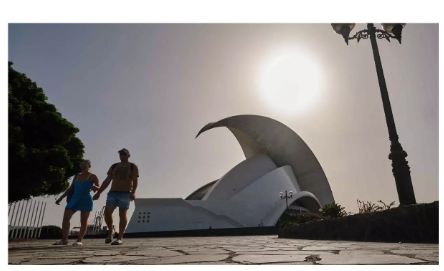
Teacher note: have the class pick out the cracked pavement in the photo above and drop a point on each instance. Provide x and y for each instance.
(222, 250)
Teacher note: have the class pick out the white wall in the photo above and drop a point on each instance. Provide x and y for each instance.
(256, 204)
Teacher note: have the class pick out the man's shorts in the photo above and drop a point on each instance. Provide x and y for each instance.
(119, 199)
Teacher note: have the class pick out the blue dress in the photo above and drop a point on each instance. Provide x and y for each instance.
(81, 199)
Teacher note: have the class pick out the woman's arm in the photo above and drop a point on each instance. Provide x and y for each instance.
(104, 185)
(96, 184)
(64, 194)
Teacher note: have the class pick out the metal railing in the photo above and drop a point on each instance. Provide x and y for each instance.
(25, 219)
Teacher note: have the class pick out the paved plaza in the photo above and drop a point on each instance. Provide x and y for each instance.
(223, 250)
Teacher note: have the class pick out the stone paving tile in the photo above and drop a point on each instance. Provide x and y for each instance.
(154, 253)
(198, 250)
(367, 259)
(330, 247)
(183, 259)
(422, 254)
(212, 263)
(413, 251)
(251, 249)
(207, 251)
(353, 252)
(223, 250)
(287, 252)
(119, 259)
(18, 259)
(434, 259)
(46, 261)
(293, 263)
(264, 259)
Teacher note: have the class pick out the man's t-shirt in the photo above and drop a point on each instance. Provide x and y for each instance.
(123, 175)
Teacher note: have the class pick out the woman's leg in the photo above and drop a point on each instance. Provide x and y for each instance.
(66, 223)
(83, 225)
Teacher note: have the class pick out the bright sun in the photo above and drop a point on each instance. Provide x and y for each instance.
(291, 81)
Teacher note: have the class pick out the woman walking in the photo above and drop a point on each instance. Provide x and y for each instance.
(79, 199)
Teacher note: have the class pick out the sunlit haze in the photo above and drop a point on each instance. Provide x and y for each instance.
(291, 80)
(151, 87)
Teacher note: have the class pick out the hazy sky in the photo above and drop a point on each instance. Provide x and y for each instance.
(151, 87)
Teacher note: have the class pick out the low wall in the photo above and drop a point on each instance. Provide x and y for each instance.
(411, 224)
(208, 232)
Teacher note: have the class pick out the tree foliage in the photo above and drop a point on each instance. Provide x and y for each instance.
(43, 149)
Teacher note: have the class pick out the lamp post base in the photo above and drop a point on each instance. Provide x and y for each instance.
(401, 172)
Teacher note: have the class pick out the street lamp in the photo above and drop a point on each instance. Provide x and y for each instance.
(400, 167)
(286, 196)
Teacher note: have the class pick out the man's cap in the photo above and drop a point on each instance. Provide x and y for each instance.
(125, 151)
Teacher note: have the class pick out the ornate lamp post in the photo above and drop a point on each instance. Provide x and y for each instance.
(401, 170)
(286, 196)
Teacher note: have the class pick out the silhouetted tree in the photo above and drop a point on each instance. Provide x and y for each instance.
(43, 149)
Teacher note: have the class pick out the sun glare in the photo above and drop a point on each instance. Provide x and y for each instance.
(290, 82)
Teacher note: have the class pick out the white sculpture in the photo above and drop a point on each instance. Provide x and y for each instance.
(247, 196)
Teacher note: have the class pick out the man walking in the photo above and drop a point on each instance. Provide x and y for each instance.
(124, 178)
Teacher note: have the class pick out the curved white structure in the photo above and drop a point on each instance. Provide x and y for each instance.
(248, 195)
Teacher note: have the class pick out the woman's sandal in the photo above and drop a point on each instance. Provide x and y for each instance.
(60, 243)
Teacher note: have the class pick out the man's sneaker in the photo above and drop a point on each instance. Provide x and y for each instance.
(60, 243)
(117, 242)
(109, 238)
(77, 244)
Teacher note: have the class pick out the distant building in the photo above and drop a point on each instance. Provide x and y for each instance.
(247, 196)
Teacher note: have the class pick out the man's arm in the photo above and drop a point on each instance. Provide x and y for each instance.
(133, 192)
(104, 185)
(135, 182)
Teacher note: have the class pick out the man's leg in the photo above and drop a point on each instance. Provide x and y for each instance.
(123, 222)
(109, 209)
